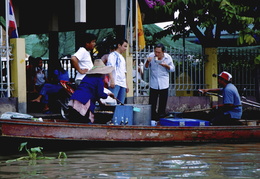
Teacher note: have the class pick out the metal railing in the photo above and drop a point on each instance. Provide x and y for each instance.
(188, 75)
(240, 63)
(189, 72)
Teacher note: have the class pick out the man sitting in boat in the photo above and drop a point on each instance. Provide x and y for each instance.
(90, 90)
(230, 111)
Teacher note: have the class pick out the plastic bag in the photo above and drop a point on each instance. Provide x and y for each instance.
(15, 115)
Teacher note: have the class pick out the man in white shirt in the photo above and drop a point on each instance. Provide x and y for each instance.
(82, 60)
(160, 64)
(117, 79)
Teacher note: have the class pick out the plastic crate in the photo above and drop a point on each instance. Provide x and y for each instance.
(183, 122)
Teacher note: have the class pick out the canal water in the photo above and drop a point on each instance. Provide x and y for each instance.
(177, 161)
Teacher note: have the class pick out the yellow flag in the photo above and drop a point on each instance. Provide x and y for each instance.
(141, 39)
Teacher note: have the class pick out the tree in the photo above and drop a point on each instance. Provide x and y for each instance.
(207, 19)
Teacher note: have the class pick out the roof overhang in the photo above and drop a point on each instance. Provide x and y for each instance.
(35, 17)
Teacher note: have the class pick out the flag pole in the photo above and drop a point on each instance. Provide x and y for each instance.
(136, 48)
(1, 66)
(7, 46)
(129, 28)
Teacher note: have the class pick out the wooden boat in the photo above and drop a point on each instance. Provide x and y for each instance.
(67, 132)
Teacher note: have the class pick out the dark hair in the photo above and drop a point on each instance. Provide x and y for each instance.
(31, 59)
(55, 65)
(160, 46)
(89, 37)
(120, 42)
(37, 61)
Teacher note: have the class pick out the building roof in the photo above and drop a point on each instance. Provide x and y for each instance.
(36, 17)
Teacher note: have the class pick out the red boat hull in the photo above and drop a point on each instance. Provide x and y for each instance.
(64, 131)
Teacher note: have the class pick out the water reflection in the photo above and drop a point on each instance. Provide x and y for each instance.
(203, 161)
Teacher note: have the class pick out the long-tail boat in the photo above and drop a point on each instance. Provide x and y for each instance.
(57, 130)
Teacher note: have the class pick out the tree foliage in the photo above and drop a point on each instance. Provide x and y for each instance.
(207, 19)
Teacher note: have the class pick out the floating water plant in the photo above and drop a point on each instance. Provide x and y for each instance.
(35, 153)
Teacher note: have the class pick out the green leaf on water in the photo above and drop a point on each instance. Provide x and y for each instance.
(32, 154)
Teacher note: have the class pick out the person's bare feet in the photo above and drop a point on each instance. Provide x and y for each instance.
(46, 109)
(36, 100)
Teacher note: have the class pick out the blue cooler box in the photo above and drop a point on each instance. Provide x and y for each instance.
(182, 122)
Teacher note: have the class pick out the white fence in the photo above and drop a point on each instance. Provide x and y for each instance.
(188, 75)
(189, 69)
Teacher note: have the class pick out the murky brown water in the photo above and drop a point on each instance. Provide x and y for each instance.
(195, 161)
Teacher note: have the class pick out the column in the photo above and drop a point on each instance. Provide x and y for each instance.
(18, 73)
(121, 18)
(211, 67)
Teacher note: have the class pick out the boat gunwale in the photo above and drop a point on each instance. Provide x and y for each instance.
(188, 134)
(122, 127)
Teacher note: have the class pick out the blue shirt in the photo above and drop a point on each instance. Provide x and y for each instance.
(62, 75)
(90, 88)
(231, 96)
(159, 75)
